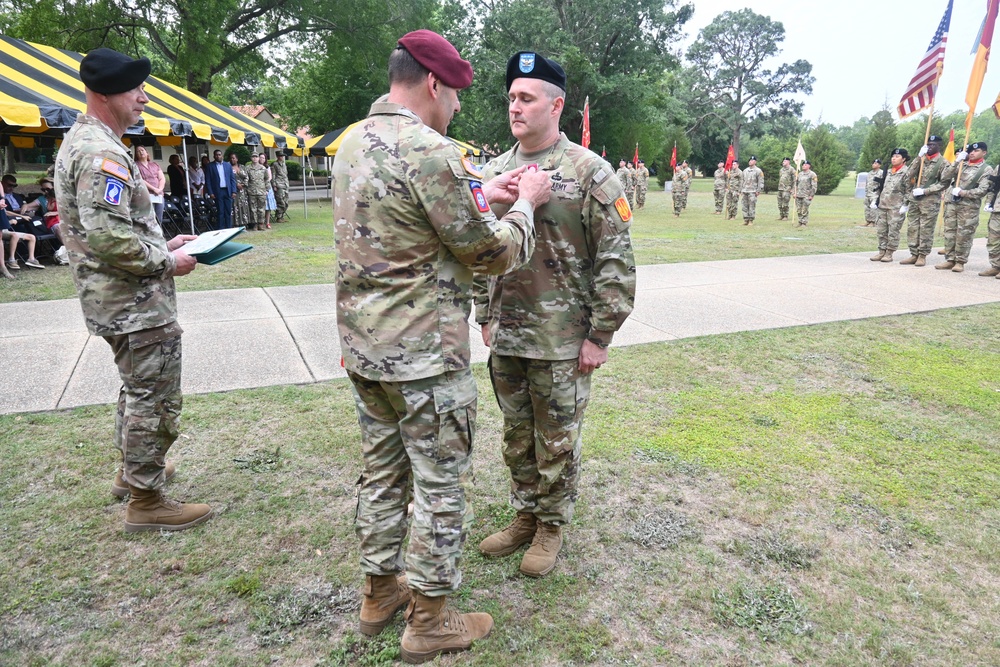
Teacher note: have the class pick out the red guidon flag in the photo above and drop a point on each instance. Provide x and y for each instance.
(635, 160)
(673, 158)
(586, 124)
(730, 157)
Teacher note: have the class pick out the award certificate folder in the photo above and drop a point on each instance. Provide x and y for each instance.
(216, 246)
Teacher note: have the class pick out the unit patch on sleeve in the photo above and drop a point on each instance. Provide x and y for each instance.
(113, 190)
(621, 205)
(477, 194)
(115, 169)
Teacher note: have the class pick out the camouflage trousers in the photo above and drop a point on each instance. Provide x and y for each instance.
(802, 209)
(630, 196)
(784, 200)
(749, 200)
(676, 197)
(732, 204)
(257, 205)
(961, 219)
(920, 221)
(993, 240)
(416, 433)
(640, 197)
(871, 214)
(543, 404)
(888, 224)
(720, 199)
(149, 402)
(281, 199)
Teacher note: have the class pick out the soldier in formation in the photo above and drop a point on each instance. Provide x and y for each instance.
(924, 202)
(719, 187)
(871, 193)
(993, 237)
(962, 200)
(806, 184)
(750, 188)
(678, 191)
(734, 181)
(124, 273)
(256, 191)
(686, 184)
(642, 185)
(625, 177)
(279, 170)
(786, 183)
(890, 205)
(412, 218)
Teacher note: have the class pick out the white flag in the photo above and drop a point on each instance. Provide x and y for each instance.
(800, 156)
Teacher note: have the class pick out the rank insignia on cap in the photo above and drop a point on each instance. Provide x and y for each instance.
(470, 168)
(477, 194)
(621, 205)
(526, 62)
(115, 169)
(113, 190)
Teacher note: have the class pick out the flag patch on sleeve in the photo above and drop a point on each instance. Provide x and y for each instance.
(477, 194)
(115, 169)
(621, 205)
(113, 190)
(471, 168)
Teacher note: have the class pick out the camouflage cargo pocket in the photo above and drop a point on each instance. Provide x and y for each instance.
(446, 530)
(455, 405)
(567, 397)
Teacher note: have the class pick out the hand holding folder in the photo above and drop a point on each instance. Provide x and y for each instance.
(215, 246)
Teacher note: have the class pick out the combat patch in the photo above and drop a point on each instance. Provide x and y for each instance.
(471, 169)
(115, 169)
(113, 190)
(621, 205)
(479, 196)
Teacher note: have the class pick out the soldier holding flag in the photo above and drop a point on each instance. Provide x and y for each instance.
(961, 207)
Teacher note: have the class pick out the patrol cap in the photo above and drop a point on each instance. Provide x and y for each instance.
(977, 146)
(933, 137)
(901, 151)
(108, 72)
(438, 55)
(530, 65)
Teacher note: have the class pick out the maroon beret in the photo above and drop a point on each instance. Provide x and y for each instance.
(439, 56)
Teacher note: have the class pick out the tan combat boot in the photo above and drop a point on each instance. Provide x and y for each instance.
(540, 558)
(877, 256)
(958, 268)
(944, 266)
(912, 259)
(432, 629)
(119, 487)
(887, 257)
(921, 261)
(990, 272)
(384, 595)
(507, 541)
(149, 510)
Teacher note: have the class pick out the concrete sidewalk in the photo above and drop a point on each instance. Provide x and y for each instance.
(241, 338)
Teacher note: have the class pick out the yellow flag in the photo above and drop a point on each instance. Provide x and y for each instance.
(949, 152)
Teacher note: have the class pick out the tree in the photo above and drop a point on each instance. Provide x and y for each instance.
(826, 155)
(729, 73)
(880, 141)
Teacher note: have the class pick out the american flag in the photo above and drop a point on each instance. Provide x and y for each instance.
(920, 93)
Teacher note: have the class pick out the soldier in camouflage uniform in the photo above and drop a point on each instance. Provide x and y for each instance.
(924, 202)
(642, 185)
(625, 177)
(734, 180)
(677, 192)
(992, 237)
(806, 184)
(124, 273)
(871, 193)
(719, 187)
(279, 168)
(750, 188)
(891, 205)
(256, 191)
(412, 223)
(961, 204)
(549, 324)
(786, 182)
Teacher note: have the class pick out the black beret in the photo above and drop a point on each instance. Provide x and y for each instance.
(933, 137)
(876, 161)
(901, 151)
(978, 145)
(786, 158)
(439, 56)
(529, 65)
(753, 157)
(807, 162)
(108, 72)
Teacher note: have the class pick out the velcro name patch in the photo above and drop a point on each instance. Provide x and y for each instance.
(479, 196)
(114, 169)
(113, 190)
(621, 205)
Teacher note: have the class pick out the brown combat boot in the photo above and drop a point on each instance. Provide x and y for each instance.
(507, 541)
(149, 510)
(877, 256)
(958, 268)
(432, 628)
(944, 266)
(990, 272)
(540, 558)
(912, 259)
(921, 261)
(384, 595)
(887, 257)
(119, 487)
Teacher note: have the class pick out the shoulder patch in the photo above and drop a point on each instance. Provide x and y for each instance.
(471, 168)
(621, 205)
(479, 196)
(113, 168)
(113, 190)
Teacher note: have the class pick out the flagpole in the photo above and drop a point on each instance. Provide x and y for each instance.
(930, 118)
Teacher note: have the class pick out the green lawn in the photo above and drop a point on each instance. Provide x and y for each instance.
(821, 495)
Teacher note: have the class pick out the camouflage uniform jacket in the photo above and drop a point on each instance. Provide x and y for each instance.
(625, 178)
(411, 224)
(735, 179)
(279, 170)
(871, 186)
(679, 179)
(753, 180)
(119, 258)
(642, 177)
(930, 180)
(720, 180)
(786, 179)
(690, 174)
(975, 181)
(580, 282)
(806, 184)
(256, 179)
(896, 189)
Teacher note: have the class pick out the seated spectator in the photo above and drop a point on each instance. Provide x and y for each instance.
(177, 176)
(12, 201)
(8, 234)
(45, 208)
(3, 265)
(196, 177)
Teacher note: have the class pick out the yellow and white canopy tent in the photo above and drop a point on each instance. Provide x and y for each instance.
(328, 144)
(41, 95)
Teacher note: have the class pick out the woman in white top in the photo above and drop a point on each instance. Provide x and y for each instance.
(196, 177)
(155, 181)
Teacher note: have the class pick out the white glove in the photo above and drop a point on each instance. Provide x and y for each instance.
(904, 208)
(960, 157)
(923, 151)
(873, 205)
(956, 192)
(918, 192)
(988, 209)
